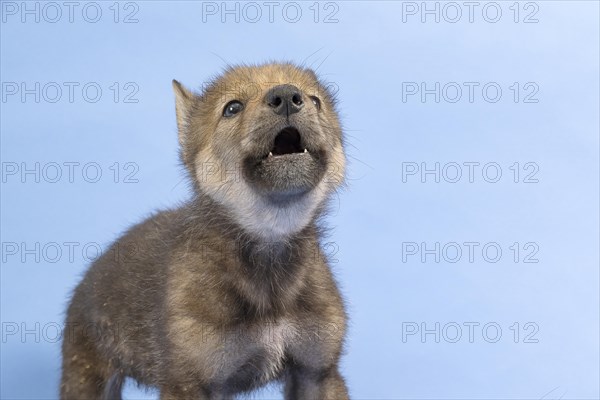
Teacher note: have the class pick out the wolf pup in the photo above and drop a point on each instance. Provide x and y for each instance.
(230, 291)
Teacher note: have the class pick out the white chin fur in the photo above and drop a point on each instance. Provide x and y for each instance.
(254, 213)
(262, 218)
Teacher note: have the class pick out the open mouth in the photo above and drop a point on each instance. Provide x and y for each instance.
(287, 142)
(285, 169)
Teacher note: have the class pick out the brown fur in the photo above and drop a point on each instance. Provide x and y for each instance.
(231, 290)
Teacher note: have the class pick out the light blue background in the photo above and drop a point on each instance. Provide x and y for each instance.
(367, 54)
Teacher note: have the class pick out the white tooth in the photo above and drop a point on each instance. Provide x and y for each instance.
(305, 150)
(270, 154)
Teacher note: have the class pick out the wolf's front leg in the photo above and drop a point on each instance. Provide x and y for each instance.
(303, 384)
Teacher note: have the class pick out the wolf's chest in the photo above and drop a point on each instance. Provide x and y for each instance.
(250, 355)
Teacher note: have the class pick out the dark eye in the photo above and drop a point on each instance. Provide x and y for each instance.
(316, 101)
(232, 108)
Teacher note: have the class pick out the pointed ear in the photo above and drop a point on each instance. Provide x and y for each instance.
(184, 100)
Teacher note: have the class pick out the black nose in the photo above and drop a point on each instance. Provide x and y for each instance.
(285, 99)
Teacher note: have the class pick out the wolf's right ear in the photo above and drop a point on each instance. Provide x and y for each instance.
(184, 101)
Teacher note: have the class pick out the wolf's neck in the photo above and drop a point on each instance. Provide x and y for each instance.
(214, 216)
(269, 269)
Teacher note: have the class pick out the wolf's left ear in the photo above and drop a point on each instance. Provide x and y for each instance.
(184, 100)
